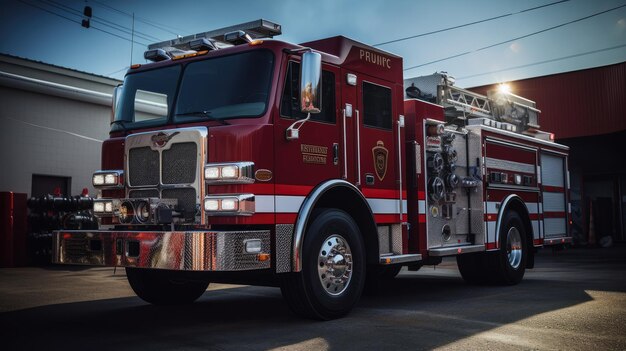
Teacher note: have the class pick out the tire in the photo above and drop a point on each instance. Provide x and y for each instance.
(333, 268)
(509, 262)
(474, 267)
(163, 287)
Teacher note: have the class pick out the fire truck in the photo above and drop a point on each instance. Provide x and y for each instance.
(315, 167)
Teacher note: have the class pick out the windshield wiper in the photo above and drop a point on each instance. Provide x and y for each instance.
(205, 114)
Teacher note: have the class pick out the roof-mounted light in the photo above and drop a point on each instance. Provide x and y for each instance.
(202, 44)
(237, 37)
(156, 55)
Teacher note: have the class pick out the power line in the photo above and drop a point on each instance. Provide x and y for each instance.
(545, 61)
(514, 39)
(118, 71)
(470, 23)
(72, 20)
(97, 19)
(162, 27)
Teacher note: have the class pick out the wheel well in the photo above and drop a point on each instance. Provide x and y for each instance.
(353, 204)
(517, 205)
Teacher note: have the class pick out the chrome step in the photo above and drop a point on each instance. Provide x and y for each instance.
(395, 259)
(455, 250)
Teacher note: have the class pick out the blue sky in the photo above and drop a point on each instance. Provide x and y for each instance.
(30, 30)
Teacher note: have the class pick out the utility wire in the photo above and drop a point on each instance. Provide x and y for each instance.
(100, 20)
(514, 39)
(470, 23)
(75, 21)
(545, 61)
(162, 27)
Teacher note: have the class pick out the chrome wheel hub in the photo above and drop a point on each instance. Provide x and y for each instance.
(514, 247)
(334, 264)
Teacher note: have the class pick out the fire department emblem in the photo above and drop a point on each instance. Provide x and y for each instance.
(161, 139)
(380, 159)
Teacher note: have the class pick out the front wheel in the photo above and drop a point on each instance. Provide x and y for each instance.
(333, 268)
(163, 287)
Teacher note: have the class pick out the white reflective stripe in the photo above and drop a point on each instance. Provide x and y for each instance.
(278, 204)
(264, 204)
(533, 207)
(288, 204)
(421, 206)
(509, 165)
(386, 206)
(535, 225)
(491, 232)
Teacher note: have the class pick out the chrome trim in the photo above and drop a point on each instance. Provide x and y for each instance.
(246, 173)
(400, 125)
(503, 207)
(358, 148)
(455, 250)
(120, 179)
(394, 259)
(557, 241)
(345, 152)
(175, 250)
(305, 212)
(197, 135)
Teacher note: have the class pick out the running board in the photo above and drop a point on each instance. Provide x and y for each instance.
(455, 250)
(395, 259)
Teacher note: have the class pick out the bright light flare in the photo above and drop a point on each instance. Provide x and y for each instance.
(504, 88)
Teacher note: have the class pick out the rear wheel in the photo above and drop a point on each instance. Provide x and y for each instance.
(163, 287)
(333, 268)
(510, 259)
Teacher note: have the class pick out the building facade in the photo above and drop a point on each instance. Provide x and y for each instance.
(54, 121)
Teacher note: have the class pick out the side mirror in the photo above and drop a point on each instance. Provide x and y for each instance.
(311, 82)
(117, 91)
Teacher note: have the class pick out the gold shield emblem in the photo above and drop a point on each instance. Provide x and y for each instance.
(380, 154)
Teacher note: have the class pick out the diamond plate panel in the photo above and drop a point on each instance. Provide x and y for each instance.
(284, 240)
(383, 239)
(179, 164)
(143, 166)
(396, 239)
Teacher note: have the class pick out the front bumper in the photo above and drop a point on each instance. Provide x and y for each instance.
(175, 250)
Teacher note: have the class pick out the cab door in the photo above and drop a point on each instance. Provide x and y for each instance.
(377, 145)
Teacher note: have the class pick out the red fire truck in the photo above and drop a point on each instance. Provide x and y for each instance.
(315, 167)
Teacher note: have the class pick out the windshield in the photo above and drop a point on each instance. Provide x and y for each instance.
(215, 89)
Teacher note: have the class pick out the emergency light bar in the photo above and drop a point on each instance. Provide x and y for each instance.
(255, 29)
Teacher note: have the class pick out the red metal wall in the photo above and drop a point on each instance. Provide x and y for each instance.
(579, 103)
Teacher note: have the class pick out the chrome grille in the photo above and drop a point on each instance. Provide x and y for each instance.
(179, 164)
(143, 193)
(168, 164)
(186, 199)
(143, 166)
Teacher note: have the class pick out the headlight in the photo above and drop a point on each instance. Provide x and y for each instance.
(103, 207)
(220, 205)
(108, 179)
(229, 173)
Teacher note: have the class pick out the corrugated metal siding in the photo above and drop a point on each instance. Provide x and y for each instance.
(579, 103)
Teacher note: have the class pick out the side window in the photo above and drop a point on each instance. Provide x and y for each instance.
(376, 106)
(290, 103)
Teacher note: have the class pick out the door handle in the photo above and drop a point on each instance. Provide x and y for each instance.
(335, 154)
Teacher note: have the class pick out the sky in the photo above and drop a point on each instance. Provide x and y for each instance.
(492, 51)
